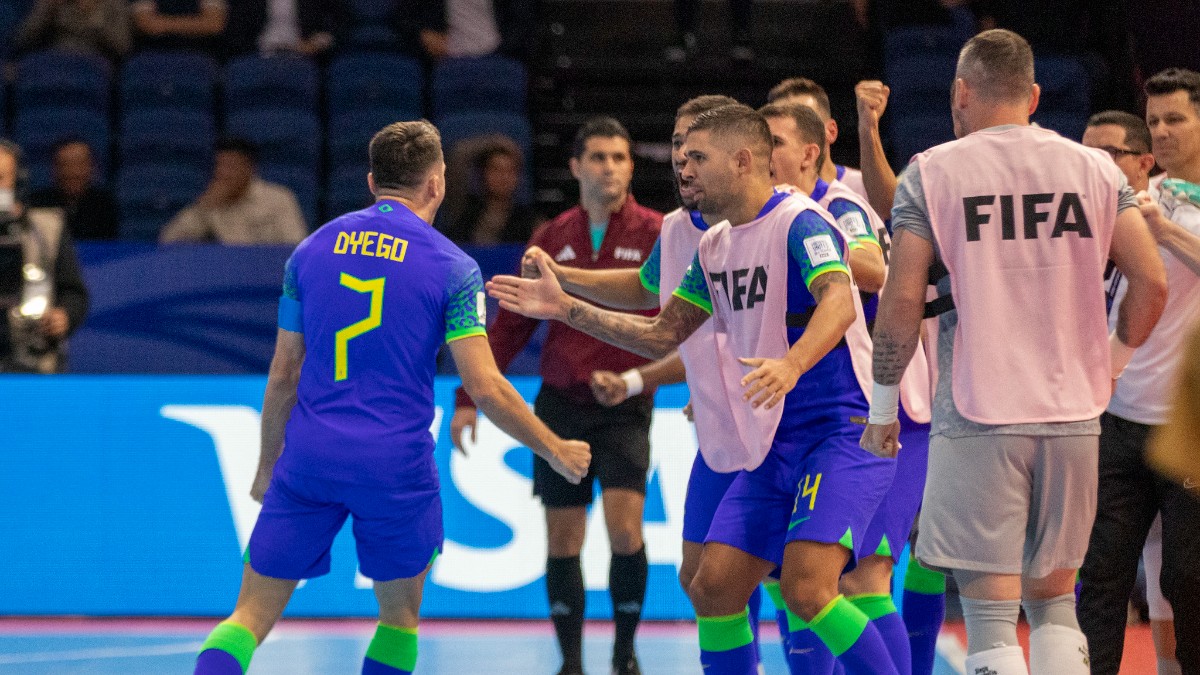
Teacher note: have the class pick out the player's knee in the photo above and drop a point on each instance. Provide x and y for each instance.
(709, 594)
(626, 540)
(873, 575)
(806, 596)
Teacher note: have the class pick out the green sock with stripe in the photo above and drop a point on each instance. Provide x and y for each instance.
(393, 651)
(227, 650)
(853, 638)
(727, 644)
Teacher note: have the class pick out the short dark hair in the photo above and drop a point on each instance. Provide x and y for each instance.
(498, 150)
(1172, 80)
(801, 86)
(598, 127)
(402, 153)
(242, 146)
(808, 122)
(737, 120)
(69, 140)
(702, 104)
(1137, 134)
(999, 64)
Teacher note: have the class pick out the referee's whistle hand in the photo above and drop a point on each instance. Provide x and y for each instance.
(571, 459)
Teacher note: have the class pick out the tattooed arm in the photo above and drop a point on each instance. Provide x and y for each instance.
(652, 337)
(901, 307)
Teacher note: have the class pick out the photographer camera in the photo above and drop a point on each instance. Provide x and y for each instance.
(42, 295)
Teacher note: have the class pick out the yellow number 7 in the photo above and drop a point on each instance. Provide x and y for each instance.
(345, 335)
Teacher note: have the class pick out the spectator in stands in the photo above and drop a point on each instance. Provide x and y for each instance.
(179, 24)
(42, 295)
(238, 207)
(489, 214)
(685, 25)
(92, 26)
(307, 27)
(455, 28)
(91, 211)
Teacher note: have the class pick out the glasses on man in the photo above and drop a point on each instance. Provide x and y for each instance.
(1118, 153)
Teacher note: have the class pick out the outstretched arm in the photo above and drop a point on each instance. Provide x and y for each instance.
(619, 288)
(878, 177)
(652, 337)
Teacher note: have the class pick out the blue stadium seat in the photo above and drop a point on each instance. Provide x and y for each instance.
(458, 126)
(149, 195)
(283, 136)
(915, 134)
(37, 130)
(908, 40)
(12, 13)
(347, 190)
(301, 180)
(920, 83)
(492, 83)
(373, 22)
(185, 80)
(179, 136)
(351, 132)
(270, 81)
(357, 81)
(1066, 95)
(54, 78)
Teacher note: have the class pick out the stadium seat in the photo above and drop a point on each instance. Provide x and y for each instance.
(347, 190)
(373, 24)
(270, 82)
(351, 132)
(491, 83)
(1065, 102)
(37, 130)
(372, 81)
(920, 83)
(908, 40)
(458, 126)
(149, 195)
(300, 180)
(55, 78)
(283, 136)
(167, 135)
(917, 133)
(182, 80)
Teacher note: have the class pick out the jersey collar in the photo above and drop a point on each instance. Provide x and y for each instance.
(819, 191)
(698, 220)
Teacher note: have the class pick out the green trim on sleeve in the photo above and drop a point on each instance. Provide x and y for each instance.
(836, 266)
(470, 331)
(647, 284)
(693, 298)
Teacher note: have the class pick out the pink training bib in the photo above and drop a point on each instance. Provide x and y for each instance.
(1024, 219)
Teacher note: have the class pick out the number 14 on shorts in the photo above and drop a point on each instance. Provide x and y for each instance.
(806, 489)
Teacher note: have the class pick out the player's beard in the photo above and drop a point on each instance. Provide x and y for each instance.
(687, 203)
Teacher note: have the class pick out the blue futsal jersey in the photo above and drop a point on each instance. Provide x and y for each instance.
(376, 293)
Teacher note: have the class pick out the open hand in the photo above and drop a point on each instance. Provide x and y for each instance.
(770, 381)
(541, 298)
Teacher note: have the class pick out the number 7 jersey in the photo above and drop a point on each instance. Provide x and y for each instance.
(376, 293)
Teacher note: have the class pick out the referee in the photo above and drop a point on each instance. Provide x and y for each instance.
(608, 229)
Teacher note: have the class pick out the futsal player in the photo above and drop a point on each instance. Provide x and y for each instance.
(807, 489)
(1024, 222)
(367, 301)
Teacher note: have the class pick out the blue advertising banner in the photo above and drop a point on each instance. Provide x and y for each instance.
(195, 308)
(130, 496)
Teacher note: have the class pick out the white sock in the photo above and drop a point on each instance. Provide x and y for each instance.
(998, 661)
(1058, 650)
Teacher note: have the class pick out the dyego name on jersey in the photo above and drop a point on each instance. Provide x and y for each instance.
(371, 244)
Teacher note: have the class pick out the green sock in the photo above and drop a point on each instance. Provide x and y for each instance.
(921, 579)
(776, 595)
(839, 625)
(233, 639)
(873, 605)
(394, 646)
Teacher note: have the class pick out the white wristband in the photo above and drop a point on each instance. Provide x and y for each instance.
(885, 404)
(633, 382)
(1119, 355)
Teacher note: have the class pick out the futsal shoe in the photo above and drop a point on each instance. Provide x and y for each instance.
(629, 668)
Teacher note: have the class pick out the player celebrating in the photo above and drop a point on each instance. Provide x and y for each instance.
(1024, 221)
(797, 448)
(368, 299)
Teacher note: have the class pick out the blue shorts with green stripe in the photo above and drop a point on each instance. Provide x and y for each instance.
(894, 519)
(397, 532)
(816, 487)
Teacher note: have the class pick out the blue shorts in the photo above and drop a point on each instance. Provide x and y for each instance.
(398, 533)
(811, 488)
(705, 489)
(894, 519)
